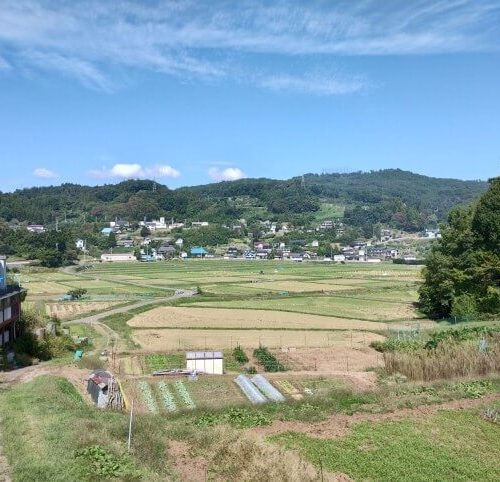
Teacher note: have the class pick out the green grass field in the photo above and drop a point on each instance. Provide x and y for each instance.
(451, 445)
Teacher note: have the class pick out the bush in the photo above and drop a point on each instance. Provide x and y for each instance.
(29, 346)
(268, 360)
(239, 355)
(464, 308)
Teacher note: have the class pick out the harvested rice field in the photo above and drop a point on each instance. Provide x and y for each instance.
(191, 317)
(354, 307)
(69, 309)
(157, 340)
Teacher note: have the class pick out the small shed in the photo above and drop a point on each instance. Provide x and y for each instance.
(104, 390)
(211, 362)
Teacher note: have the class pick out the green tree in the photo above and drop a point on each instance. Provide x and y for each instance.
(462, 273)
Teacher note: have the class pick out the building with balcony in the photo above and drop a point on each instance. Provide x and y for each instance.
(10, 306)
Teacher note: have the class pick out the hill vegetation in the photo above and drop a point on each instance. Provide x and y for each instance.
(402, 199)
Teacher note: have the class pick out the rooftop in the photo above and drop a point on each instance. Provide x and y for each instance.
(203, 355)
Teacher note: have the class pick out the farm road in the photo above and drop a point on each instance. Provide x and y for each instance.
(110, 333)
(123, 309)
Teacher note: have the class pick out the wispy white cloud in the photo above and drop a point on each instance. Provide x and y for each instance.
(228, 174)
(134, 171)
(4, 65)
(44, 173)
(90, 40)
(313, 84)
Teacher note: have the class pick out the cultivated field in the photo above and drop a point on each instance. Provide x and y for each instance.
(197, 317)
(210, 339)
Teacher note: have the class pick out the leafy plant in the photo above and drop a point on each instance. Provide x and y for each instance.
(168, 398)
(237, 417)
(475, 389)
(239, 355)
(268, 360)
(184, 394)
(98, 462)
(147, 396)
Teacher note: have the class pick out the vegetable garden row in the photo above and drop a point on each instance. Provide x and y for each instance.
(171, 397)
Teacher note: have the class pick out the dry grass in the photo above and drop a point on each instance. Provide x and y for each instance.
(176, 339)
(448, 360)
(181, 317)
(234, 455)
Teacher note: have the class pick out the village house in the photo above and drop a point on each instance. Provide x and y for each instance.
(10, 306)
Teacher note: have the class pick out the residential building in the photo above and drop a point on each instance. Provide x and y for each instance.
(199, 224)
(198, 252)
(10, 306)
(80, 244)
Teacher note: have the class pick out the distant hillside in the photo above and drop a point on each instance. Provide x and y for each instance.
(394, 197)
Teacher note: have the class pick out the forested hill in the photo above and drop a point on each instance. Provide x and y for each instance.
(388, 196)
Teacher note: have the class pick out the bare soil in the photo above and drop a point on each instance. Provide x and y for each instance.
(335, 359)
(188, 467)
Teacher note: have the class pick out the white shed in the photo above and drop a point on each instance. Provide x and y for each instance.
(211, 362)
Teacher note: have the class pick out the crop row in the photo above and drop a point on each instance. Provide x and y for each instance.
(184, 394)
(268, 360)
(168, 398)
(147, 396)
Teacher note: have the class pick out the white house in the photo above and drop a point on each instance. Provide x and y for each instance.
(80, 244)
(211, 362)
(338, 257)
(179, 242)
(199, 224)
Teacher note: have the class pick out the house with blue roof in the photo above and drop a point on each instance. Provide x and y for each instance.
(198, 252)
(106, 231)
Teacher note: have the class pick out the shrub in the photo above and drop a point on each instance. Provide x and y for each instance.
(239, 355)
(268, 360)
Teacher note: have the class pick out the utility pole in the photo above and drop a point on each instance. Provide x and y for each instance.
(129, 442)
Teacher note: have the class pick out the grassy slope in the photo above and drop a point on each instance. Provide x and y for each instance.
(47, 421)
(451, 445)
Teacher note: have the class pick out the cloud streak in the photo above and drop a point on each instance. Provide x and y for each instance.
(134, 171)
(91, 40)
(44, 173)
(227, 174)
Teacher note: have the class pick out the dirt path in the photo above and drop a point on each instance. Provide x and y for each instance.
(339, 425)
(123, 309)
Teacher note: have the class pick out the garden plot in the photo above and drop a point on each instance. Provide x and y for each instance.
(330, 361)
(155, 340)
(197, 317)
(163, 396)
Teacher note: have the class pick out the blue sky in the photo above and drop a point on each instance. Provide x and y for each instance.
(190, 92)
